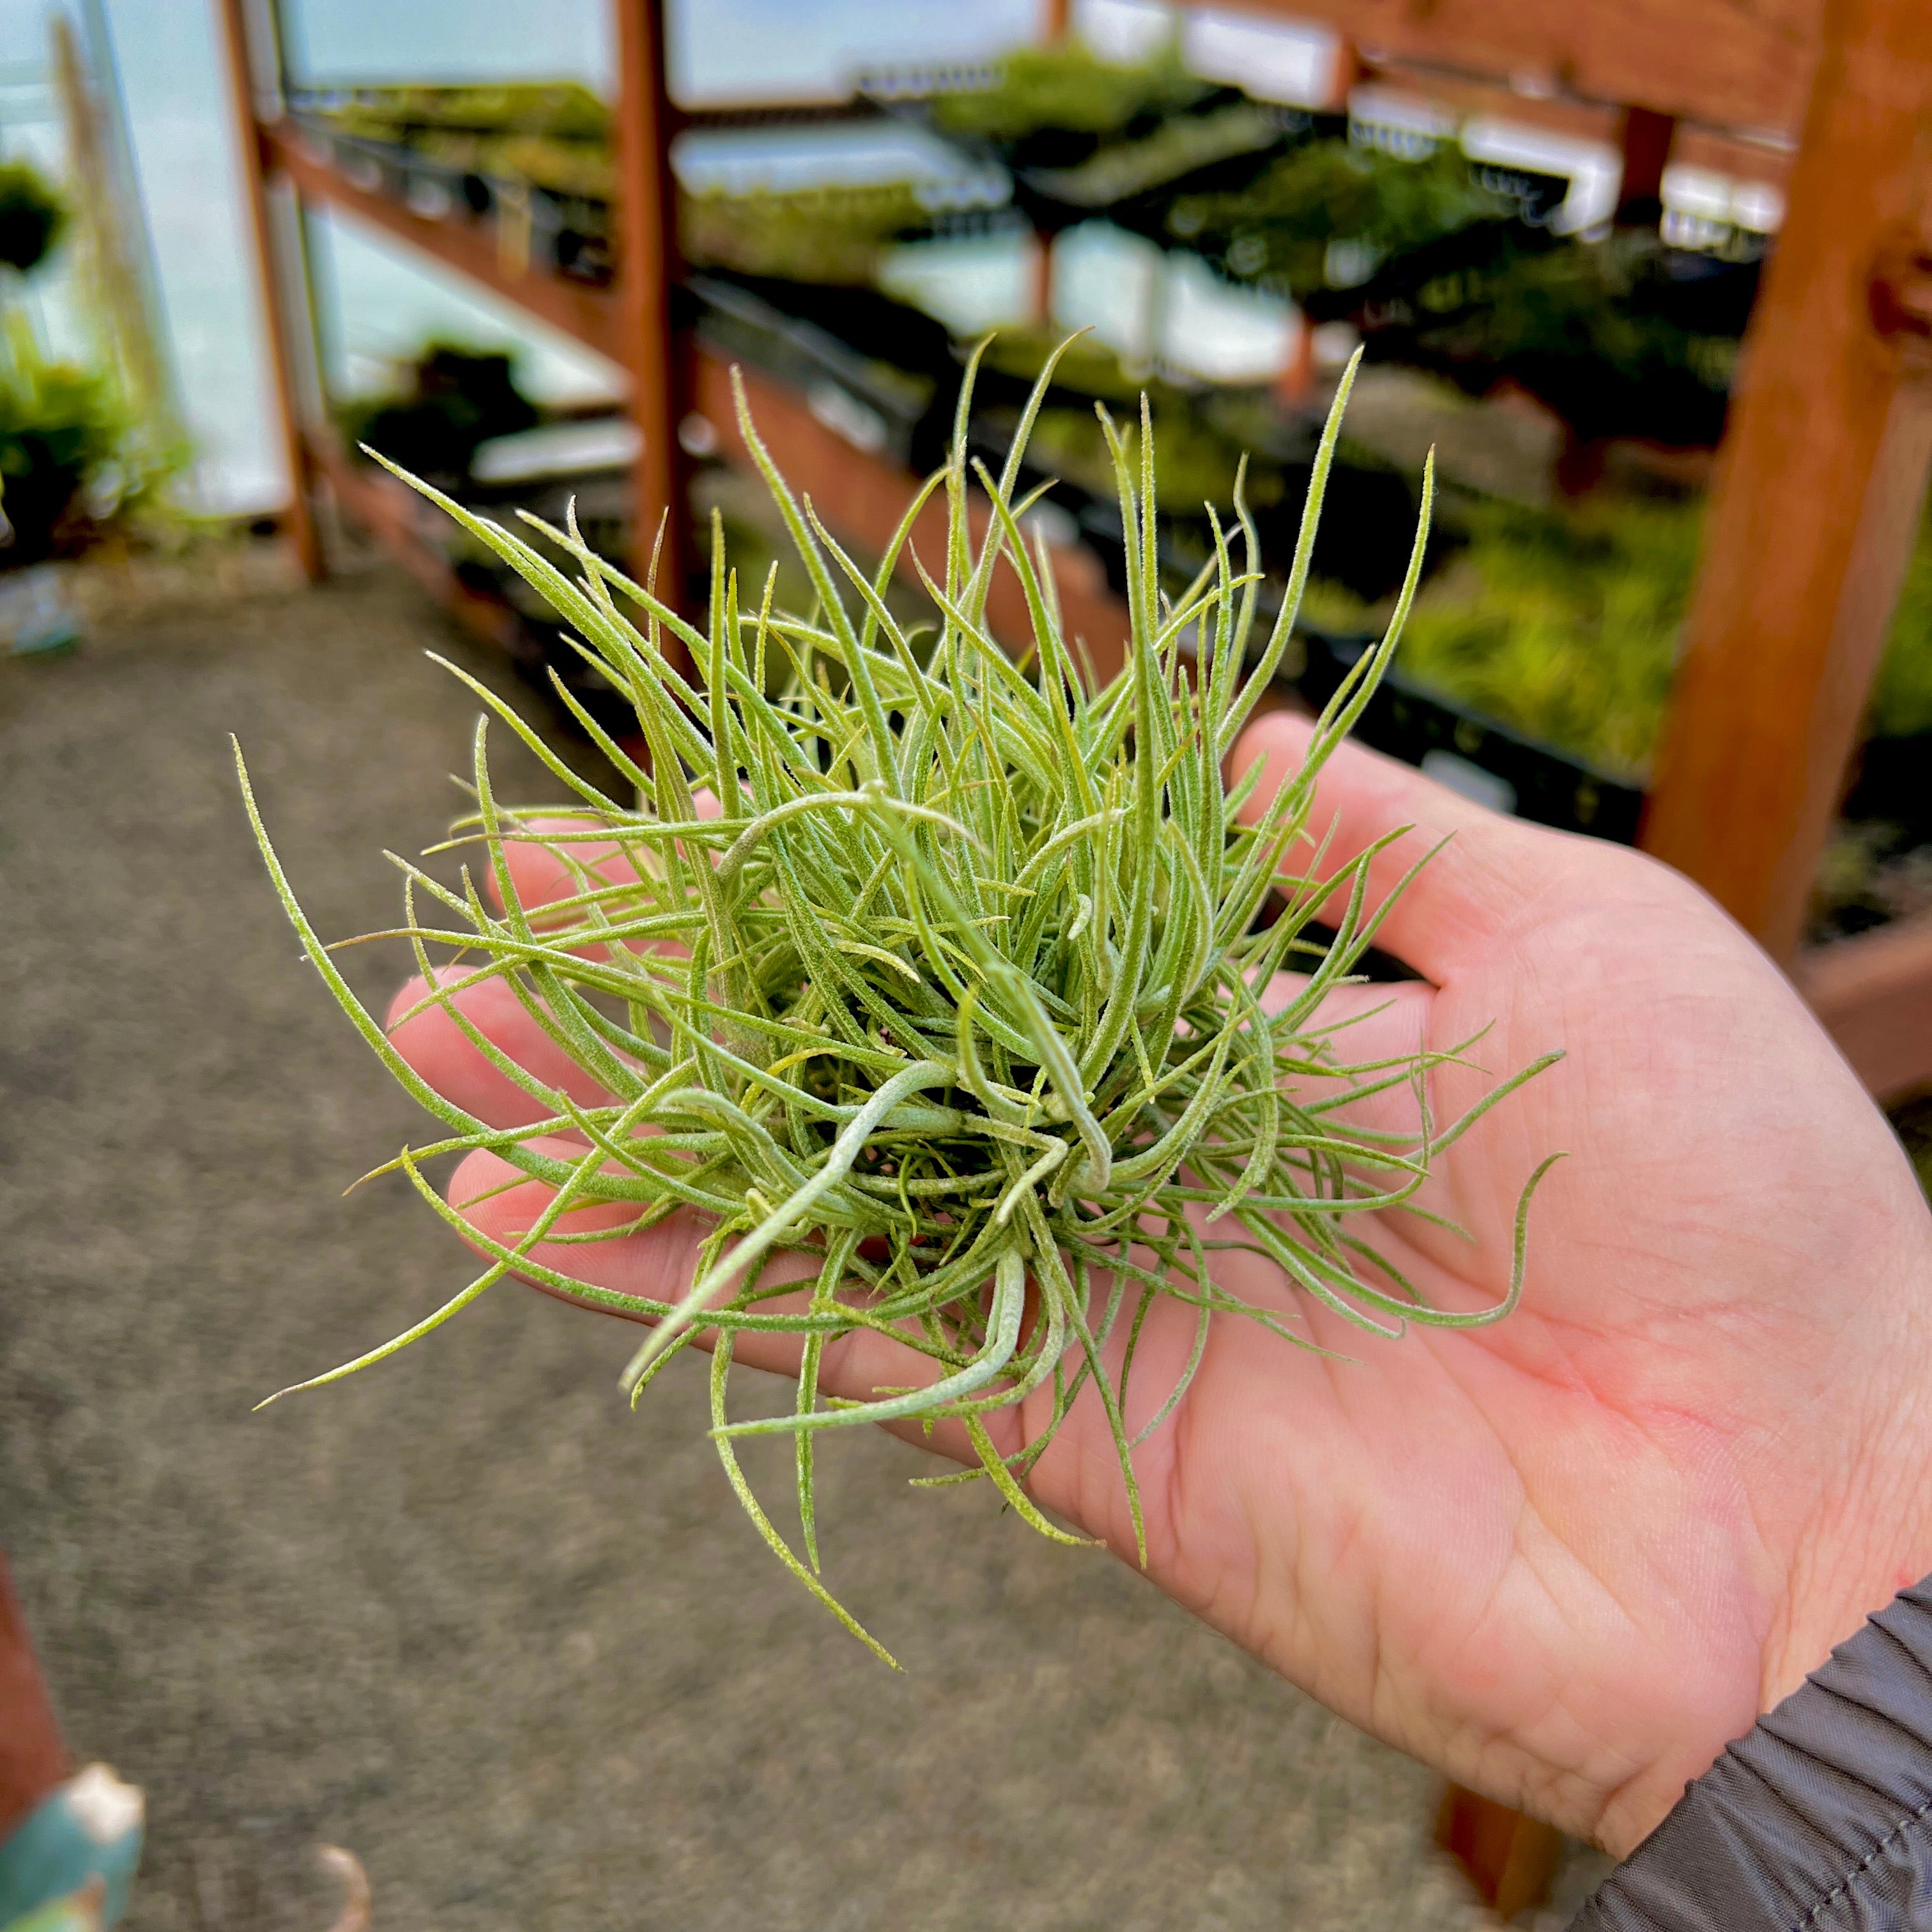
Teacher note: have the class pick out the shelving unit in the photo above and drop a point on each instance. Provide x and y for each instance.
(1809, 532)
(672, 375)
(1822, 477)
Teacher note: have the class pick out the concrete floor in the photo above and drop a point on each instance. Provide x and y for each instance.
(465, 1614)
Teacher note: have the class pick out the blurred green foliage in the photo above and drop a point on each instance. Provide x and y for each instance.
(1600, 329)
(1067, 87)
(1192, 465)
(563, 109)
(556, 137)
(1902, 698)
(33, 213)
(1179, 145)
(69, 450)
(1195, 460)
(1086, 365)
(1912, 1121)
(832, 235)
(1564, 625)
(450, 399)
(1283, 229)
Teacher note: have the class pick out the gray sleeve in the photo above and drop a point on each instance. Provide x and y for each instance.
(1820, 1820)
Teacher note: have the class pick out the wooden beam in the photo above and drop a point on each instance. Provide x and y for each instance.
(1743, 64)
(648, 269)
(1753, 158)
(587, 314)
(407, 526)
(1874, 995)
(299, 517)
(1644, 138)
(33, 1760)
(1725, 154)
(1509, 1858)
(1464, 96)
(860, 495)
(1819, 485)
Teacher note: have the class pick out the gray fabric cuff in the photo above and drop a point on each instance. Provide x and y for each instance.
(1820, 1820)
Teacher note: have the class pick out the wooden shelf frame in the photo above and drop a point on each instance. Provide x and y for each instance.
(861, 494)
(1793, 605)
(586, 313)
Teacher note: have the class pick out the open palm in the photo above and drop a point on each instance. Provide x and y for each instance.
(1566, 1558)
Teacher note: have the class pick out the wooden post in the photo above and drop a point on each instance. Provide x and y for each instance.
(1820, 481)
(1040, 299)
(299, 517)
(1056, 21)
(647, 271)
(1295, 384)
(1511, 1859)
(1345, 73)
(1644, 136)
(33, 1760)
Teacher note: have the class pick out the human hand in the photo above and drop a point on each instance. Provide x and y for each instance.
(1566, 1558)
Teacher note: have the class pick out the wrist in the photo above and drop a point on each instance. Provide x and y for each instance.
(1840, 1481)
(1818, 1816)
(1871, 1533)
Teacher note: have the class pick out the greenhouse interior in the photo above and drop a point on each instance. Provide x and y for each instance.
(925, 457)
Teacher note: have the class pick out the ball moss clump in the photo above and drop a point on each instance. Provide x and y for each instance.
(960, 996)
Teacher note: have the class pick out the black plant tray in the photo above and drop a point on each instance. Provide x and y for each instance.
(1409, 723)
(569, 233)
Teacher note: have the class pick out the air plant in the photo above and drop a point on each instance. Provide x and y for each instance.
(965, 987)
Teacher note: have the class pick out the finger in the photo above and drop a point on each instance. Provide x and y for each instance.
(1077, 1476)
(1466, 898)
(660, 1265)
(433, 1043)
(1358, 1025)
(572, 858)
(1358, 1036)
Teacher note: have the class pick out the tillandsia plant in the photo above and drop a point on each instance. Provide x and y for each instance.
(965, 987)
